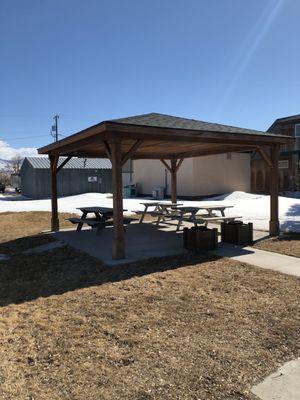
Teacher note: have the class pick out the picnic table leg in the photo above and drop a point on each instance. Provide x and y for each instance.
(158, 220)
(179, 222)
(193, 218)
(79, 226)
(97, 216)
(210, 214)
(143, 215)
(160, 208)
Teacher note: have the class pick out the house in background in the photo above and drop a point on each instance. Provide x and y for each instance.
(198, 176)
(79, 175)
(289, 160)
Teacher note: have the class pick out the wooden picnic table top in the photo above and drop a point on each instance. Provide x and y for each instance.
(169, 204)
(152, 203)
(161, 203)
(203, 207)
(100, 210)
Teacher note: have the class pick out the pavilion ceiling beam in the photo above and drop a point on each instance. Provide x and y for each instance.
(194, 153)
(74, 147)
(131, 151)
(163, 133)
(217, 139)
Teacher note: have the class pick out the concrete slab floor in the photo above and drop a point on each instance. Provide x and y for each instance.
(143, 241)
(284, 384)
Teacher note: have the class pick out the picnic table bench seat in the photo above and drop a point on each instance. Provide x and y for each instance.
(96, 223)
(219, 218)
(152, 213)
(197, 219)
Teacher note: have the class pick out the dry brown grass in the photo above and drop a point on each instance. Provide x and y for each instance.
(288, 244)
(21, 230)
(170, 329)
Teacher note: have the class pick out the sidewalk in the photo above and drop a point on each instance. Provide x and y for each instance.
(260, 258)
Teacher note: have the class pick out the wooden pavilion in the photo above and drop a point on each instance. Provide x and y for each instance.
(165, 138)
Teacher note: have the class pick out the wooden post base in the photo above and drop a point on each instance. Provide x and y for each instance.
(274, 228)
(54, 224)
(118, 252)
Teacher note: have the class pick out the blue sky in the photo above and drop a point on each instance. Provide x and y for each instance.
(229, 61)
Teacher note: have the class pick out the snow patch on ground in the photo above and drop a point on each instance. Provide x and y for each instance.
(254, 208)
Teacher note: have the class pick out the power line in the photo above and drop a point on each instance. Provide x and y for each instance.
(23, 137)
(28, 137)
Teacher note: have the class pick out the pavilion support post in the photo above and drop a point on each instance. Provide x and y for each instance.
(174, 180)
(54, 208)
(173, 168)
(274, 178)
(118, 235)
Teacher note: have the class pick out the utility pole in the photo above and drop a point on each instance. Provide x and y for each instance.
(54, 130)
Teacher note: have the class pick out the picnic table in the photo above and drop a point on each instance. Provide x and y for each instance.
(100, 219)
(159, 207)
(189, 213)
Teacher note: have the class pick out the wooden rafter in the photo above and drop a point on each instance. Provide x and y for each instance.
(179, 164)
(131, 151)
(265, 157)
(166, 165)
(107, 149)
(64, 163)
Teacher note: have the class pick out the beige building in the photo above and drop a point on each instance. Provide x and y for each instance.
(199, 176)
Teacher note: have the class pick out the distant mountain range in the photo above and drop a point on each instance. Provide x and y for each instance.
(3, 164)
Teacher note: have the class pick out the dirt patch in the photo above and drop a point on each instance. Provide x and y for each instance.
(288, 244)
(171, 329)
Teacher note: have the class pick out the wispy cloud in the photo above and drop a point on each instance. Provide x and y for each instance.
(7, 152)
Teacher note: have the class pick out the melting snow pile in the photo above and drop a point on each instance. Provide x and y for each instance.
(254, 208)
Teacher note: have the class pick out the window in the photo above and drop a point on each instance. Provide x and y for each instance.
(297, 130)
(283, 164)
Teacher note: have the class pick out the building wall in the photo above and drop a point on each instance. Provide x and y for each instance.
(35, 183)
(198, 176)
(260, 174)
(222, 173)
(289, 161)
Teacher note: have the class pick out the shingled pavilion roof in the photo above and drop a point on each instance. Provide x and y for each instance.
(160, 136)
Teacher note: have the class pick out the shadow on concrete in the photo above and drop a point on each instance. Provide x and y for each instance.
(231, 250)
